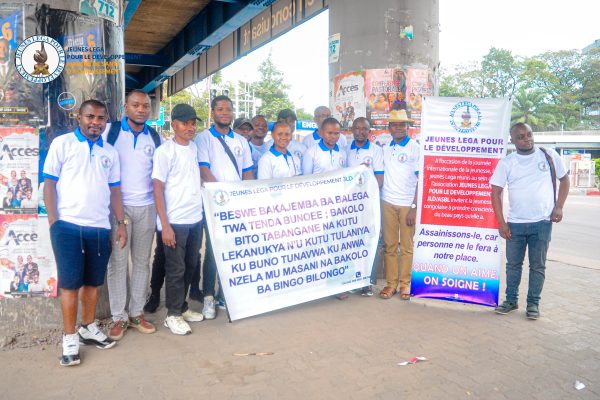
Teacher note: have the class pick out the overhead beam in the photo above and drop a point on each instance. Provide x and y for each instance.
(130, 9)
(214, 23)
(144, 60)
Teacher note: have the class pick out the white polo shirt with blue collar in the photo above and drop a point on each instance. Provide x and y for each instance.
(83, 171)
(136, 151)
(295, 147)
(319, 159)
(276, 165)
(314, 138)
(212, 154)
(370, 155)
(401, 164)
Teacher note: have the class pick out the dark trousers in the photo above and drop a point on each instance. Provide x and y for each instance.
(179, 265)
(209, 267)
(158, 266)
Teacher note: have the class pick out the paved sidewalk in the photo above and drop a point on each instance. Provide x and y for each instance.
(331, 349)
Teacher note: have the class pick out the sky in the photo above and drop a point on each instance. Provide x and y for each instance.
(468, 28)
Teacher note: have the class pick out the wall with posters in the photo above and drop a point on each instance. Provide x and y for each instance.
(31, 115)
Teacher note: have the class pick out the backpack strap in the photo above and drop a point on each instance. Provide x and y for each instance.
(552, 171)
(155, 136)
(113, 133)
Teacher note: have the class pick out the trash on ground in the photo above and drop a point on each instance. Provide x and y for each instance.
(264, 353)
(413, 360)
(579, 385)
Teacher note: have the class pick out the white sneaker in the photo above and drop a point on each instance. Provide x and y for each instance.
(177, 325)
(209, 310)
(192, 316)
(70, 354)
(94, 336)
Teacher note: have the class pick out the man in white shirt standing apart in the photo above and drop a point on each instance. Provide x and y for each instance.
(178, 198)
(530, 174)
(136, 144)
(399, 204)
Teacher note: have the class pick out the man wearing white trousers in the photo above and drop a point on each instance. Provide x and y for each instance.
(135, 142)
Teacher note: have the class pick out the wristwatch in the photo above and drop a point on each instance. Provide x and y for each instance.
(413, 205)
(123, 221)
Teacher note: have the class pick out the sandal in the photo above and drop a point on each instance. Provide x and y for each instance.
(387, 292)
(405, 296)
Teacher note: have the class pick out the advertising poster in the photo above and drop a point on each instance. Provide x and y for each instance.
(22, 272)
(21, 102)
(384, 91)
(284, 242)
(457, 246)
(419, 84)
(19, 170)
(349, 98)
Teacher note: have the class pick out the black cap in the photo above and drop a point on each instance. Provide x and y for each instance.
(241, 121)
(184, 113)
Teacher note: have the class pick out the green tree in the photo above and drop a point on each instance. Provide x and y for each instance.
(529, 106)
(303, 115)
(272, 90)
(500, 71)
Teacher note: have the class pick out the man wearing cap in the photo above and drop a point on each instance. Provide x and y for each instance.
(243, 126)
(223, 156)
(399, 204)
(177, 194)
(295, 147)
(136, 143)
(81, 181)
(362, 151)
(321, 113)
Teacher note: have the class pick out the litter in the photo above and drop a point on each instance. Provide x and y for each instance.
(579, 385)
(413, 360)
(265, 353)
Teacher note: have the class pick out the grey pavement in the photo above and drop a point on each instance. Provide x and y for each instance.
(331, 349)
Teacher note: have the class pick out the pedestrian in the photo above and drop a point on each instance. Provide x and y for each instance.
(295, 147)
(362, 151)
(136, 143)
(243, 126)
(278, 162)
(530, 174)
(224, 156)
(178, 197)
(327, 155)
(81, 181)
(399, 204)
(321, 114)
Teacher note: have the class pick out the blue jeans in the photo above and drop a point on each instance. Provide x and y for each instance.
(535, 237)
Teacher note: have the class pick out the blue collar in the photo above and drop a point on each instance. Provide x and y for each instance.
(216, 134)
(316, 135)
(402, 143)
(325, 148)
(277, 154)
(353, 146)
(125, 126)
(82, 138)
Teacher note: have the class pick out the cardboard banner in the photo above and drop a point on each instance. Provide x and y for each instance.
(456, 254)
(22, 272)
(284, 242)
(19, 170)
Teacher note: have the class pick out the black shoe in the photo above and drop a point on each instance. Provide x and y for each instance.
(152, 303)
(533, 311)
(506, 307)
(196, 294)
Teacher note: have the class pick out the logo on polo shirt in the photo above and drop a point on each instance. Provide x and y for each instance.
(298, 154)
(368, 161)
(237, 150)
(543, 166)
(342, 162)
(148, 150)
(40, 59)
(221, 197)
(106, 162)
(403, 157)
(465, 117)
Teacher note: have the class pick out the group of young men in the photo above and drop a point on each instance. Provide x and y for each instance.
(132, 183)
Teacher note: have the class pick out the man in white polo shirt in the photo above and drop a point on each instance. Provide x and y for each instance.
(327, 155)
(178, 198)
(224, 156)
(321, 114)
(530, 174)
(135, 142)
(362, 151)
(399, 204)
(81, 181)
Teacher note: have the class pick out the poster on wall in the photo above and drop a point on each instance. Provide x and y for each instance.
(419, 84)
(22, 272)
(348, 98)
(456, 255)
(384, 91)
(18, 170)
(21, 102)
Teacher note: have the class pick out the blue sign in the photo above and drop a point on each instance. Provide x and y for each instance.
(161, 119)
